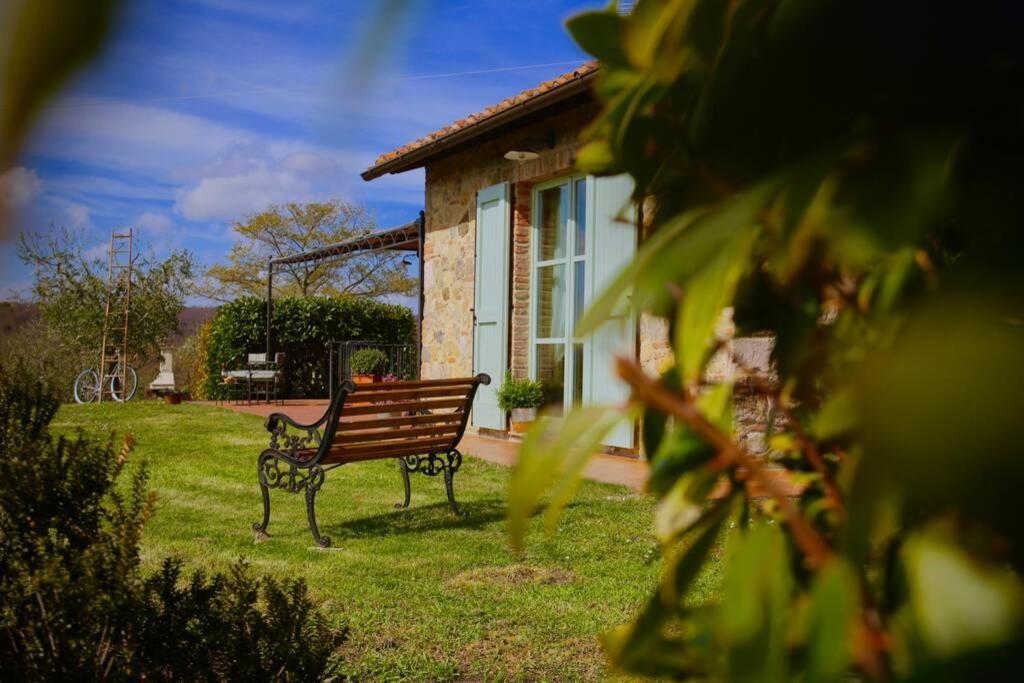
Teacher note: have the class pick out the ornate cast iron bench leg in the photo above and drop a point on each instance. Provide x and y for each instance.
(432, 465)
(454, 461)
(293, 480)
(261, 464)
(313, 484)
(404, 469)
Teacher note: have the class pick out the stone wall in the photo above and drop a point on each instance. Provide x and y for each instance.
(449, 270)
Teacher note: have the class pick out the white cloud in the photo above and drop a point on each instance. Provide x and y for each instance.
(18, 187)
(98, 252)
(247, 178)
(232, 197)
(77, 215)
(154, 223)
(123, 136)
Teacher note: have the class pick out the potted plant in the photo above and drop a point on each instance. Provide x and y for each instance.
(367, 365)
(521, 398)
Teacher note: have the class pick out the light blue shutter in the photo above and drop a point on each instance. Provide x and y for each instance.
(611, 219)
(490, 320)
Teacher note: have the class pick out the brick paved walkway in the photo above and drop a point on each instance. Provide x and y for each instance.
(610, 469)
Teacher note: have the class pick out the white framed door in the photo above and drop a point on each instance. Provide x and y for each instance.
(490, 302)
(584, 232)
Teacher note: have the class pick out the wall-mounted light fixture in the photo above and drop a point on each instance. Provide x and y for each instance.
(529, 149)
(521, 155)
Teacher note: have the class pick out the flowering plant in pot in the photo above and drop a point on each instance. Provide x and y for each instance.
(521, 398)
(174, 396)
(367, 365)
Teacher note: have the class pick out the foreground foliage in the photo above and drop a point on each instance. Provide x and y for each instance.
(845, 176)
(74, 603)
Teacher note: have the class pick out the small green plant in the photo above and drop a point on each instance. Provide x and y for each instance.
(368, 361)
(520, 393)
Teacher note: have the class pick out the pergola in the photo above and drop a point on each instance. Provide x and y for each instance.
(407, 237)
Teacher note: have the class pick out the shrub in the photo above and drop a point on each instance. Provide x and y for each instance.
(302, 329)
(367, 361)
(45, 356)
(74, 603)
(520, 393)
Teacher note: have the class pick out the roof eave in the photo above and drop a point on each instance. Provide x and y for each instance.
(419, 156)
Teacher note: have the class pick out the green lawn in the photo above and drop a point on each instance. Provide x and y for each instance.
(427, 595)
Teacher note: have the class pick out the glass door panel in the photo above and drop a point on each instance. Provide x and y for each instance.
(550, 322)
(553, 224)
(549, 368)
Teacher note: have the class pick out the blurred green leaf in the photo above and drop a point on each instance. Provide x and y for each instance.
(678, 252)
(837, 416)
(552, 456)
(959, 602)
(680, 451)
(643, 646)
(940, 411)
(654, 422)
(598, 32)
(46, 41)
(683, 505)
(754, 616)
(707, 293)
(830, 630)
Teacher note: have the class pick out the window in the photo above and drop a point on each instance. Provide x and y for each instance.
(559, 294)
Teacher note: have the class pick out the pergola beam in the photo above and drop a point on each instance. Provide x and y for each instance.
(407, 237)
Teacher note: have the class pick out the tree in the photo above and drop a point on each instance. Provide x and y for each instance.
(71, 290)
(292, 228)
(846, 176)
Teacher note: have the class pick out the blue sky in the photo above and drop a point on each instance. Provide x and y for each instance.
(200, 112)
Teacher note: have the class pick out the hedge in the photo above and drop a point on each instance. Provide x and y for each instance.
(301, 328)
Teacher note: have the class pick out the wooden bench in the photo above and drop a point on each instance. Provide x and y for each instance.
(418, 423)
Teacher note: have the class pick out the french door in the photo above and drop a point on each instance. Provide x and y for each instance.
(584, 233)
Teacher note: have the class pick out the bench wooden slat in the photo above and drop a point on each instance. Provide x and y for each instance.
(411, 444)
(387, 434)
(404, 406)
(403, 421)
(414, 384)
(413, 447)
(455, 391)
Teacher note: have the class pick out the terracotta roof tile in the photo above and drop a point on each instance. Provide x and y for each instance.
(483, 115)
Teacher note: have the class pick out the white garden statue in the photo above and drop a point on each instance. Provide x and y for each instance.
(165, 380)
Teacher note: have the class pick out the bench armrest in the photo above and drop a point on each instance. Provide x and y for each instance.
(276, 418)
(280, 439)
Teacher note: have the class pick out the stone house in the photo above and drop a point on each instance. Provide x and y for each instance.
(517, 243)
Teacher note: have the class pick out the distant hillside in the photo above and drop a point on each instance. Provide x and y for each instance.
(14, 314)
(190, 320)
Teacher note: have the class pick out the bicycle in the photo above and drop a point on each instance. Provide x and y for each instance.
(88, 384)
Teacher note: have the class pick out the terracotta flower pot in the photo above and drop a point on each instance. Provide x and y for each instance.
(363, 379)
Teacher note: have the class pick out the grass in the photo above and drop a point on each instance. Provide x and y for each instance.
(427, 595)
